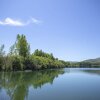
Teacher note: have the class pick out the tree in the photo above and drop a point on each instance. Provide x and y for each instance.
(2, 53)
(22, 46)
(19, 53)
(36, 52)
(43, 54)
(12, 50)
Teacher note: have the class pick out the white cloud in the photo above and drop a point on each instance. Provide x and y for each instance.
(12, 22)
(36, 21)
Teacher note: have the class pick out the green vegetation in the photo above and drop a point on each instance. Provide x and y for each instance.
(84, 64)
(20, 58)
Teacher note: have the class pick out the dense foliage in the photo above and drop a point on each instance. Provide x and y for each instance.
(19, 57)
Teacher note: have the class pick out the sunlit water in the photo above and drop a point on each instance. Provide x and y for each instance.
(59, 84)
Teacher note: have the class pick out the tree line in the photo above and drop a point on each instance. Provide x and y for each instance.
(20, 58)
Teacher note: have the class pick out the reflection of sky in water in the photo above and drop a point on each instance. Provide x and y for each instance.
(95, 71)
(3, 95)
(75, 84)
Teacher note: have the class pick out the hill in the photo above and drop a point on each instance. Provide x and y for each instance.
(97, 60)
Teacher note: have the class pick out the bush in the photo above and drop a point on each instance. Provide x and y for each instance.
(17, 63)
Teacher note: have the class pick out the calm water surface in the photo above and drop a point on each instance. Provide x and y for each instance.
(59, 84)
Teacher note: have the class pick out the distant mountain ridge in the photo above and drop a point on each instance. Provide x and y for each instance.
(96, 60)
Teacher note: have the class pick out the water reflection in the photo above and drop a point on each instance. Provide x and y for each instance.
(95, 71)
(75, 84)
(16, 84)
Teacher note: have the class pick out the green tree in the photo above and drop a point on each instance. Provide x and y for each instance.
(22, 46)
(12, 50)
(2, 54)
(43, 54)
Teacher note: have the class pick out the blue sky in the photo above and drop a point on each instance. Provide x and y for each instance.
(70, 29)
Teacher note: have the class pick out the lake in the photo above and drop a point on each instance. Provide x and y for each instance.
(57, 84)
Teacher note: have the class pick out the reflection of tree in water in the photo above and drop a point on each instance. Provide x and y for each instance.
(97, 72)
(17, 83)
